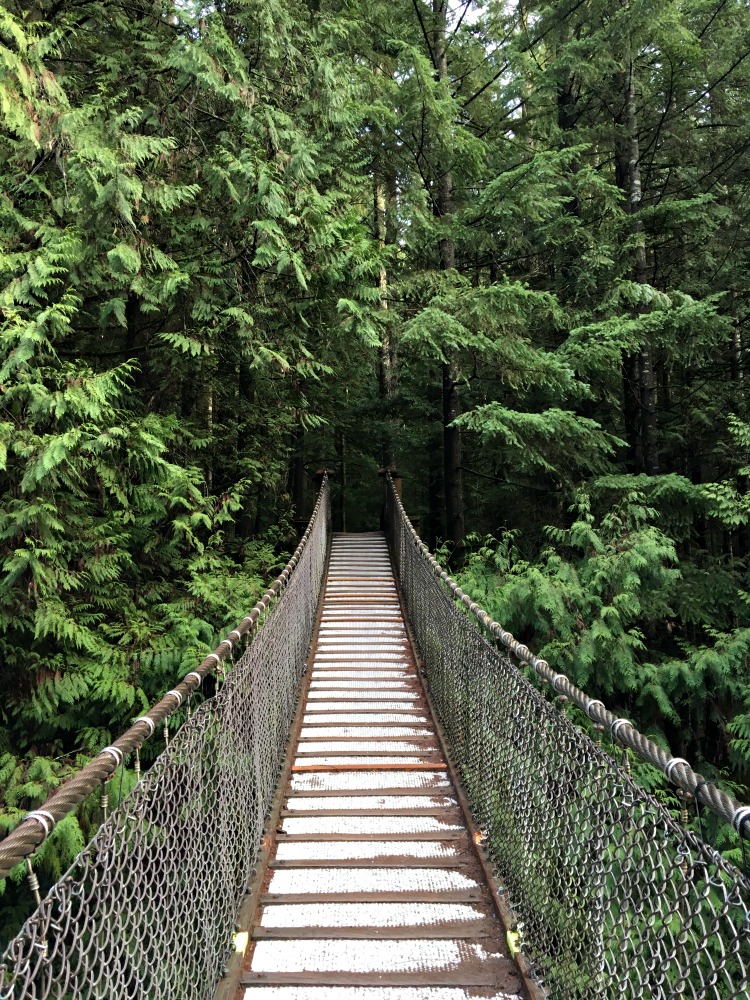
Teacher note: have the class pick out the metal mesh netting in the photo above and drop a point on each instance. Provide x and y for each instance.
(148, 908)
(614, 898)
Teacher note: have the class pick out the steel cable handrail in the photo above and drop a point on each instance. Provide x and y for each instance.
(38, 824)
(607, 893)
(676, 769)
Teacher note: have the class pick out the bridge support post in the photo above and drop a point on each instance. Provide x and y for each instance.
(397, 485)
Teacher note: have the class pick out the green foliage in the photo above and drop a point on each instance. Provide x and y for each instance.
(24, 785)
(177, 227)
(584, 601)
(533, 440)
(611, 604)
(224, 236)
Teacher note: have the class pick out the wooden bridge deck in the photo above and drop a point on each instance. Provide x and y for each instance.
(373, 888)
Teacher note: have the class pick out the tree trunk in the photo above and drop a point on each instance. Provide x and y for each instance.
(435, 499)
(386, 349)
(210, 431)
(297, 472)
(340, 509)
(735, 360)
(742, 543)
(453, 474)
(631, 411)
(454, 488)
(567, 108)
(648, 412)
(132, 317)
(639, 379)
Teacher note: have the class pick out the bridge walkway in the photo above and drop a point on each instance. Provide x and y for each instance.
(374, 888)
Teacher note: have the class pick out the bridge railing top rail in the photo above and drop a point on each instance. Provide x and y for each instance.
(38, 824)
(677, 770)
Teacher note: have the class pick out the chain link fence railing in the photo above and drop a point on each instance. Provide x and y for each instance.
(614, 898)
(147, 911)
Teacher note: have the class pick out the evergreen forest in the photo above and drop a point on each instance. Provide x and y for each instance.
(501, 246)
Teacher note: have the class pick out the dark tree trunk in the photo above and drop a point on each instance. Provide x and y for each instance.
(631, 410)
(639, 379)
(454, 487)
(339, 512)
(648, 412)
(384, 192)
(566, 120)
(132, 318)
(297, 481)
(435, 500)
(452, 448)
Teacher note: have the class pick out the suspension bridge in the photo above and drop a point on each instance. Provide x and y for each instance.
(380, 803)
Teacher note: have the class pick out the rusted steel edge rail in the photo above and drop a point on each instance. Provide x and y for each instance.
(676, 769)
(37, 825)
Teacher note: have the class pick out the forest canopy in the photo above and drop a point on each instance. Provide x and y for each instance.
(503, 247)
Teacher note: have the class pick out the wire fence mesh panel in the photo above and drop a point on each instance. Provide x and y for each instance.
(148, 909)
(614, 897)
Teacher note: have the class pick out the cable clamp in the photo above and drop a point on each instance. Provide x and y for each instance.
(194, 673)
(672, 764)
(213, 656)
(591, 704)
(44, 819)
(235, 632)
(558, 678)
(740, 816)
(617, 725)
(175, 694)
(149, 722)
(115, 752)
(701, 783)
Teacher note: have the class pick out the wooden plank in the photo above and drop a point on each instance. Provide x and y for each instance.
(389, 655)
(403, 672)
(456, 896)
(427, 742)
(299, 838)
(438, 790)
(383, 861)
(422, 745)
(364, 697)
(361, 601)
(339, 758)
(390, 617)
(383, 589)
(323, 768)
(476, 929)
(353, 690)
(362, 753)
(427, 811)
(407, 685)
(463, 976)
(362, 661)
(409, 712)
(363, 655)
(365, 725)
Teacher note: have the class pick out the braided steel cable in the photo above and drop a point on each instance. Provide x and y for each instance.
(676, 769)
(148, 908)
(32, 831)
(612, 896)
